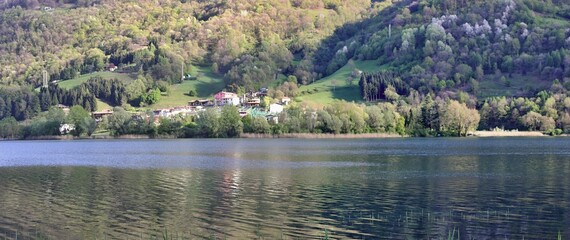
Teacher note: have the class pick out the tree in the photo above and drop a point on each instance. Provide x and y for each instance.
(151, 97)
(95, 59)
(534, 121)
(230, 122)
(77, 116)
(89, 125)
(208, 123)
(260, 125)
(9, 128)
(119, 122)
(376, 120)
(458, 119)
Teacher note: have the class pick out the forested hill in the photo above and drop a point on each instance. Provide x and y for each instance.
(249, 41)
(505, 47)
(485, 48)
(462, 50)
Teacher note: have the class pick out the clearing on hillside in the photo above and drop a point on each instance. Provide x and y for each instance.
(205, 86)
(69, 84)
(337, 86)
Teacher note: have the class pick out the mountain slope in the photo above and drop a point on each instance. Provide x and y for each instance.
(162, 36)
(487, 48)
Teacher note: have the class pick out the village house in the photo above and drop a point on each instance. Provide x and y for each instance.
(223, 98)
(66, 128)
(64, 108)
(200, 103)
(98, 116)
(285, 101)
(272, 118)
(111, 67)
(172, 112)
(252, 102)
(275, 108)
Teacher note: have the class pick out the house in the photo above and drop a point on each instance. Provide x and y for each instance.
(223, 98)
(111, 67)
(262, 92)
(64, 108)
(285, 101)
(275, 108)
(272, 118)
(253, 102)
(200, 103)
(66, 128)
(189, 77)
(172, 112)
(100, 115)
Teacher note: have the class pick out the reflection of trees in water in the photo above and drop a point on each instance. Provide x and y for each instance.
(417, 196)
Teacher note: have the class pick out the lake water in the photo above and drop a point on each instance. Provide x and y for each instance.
(507, 188)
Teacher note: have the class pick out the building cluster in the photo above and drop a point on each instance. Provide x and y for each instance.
(248, 104)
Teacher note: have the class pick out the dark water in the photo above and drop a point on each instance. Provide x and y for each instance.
(507, 188)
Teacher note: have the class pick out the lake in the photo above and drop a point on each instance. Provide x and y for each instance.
(508, 188)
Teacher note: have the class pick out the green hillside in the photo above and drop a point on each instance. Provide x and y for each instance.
(510, 59)
(69, 84)
(337, 86)
(205, 86)
(485, 48)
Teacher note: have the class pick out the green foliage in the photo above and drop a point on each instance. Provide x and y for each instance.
(457, 119)
(460, 48)
(152, 97)
(45, 124)
(88, 125)
(81, 120)
(260, 125)
(18, 102)
(169, 127)
(120, 122)
(9, 128)
(171, 34)
(208, 123)
(230, 122)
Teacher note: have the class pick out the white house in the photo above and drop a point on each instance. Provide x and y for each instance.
(285, 100)
(223, 98)
(66, 128)
(275, 108)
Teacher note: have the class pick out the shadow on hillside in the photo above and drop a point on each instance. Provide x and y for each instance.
(348, 93)
(359, 32)
(206, 88)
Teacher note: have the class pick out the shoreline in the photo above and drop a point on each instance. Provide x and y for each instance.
(476, 134)
(321, 135)
(509, 134)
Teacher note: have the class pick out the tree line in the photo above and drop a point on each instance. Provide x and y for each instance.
(439, 117)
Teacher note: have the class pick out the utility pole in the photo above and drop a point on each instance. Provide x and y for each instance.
(182, 71)
(45, 78)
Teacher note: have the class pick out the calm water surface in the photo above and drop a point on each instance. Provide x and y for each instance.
(511, 188)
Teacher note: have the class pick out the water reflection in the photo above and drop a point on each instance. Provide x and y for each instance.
(295, 189)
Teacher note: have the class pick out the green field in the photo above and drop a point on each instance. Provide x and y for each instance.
(69, 84)
(205, 86)
(101, 106)
(336, 86)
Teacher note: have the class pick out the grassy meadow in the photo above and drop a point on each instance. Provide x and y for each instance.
(207, 84)
(71, 83)
(336, 86)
